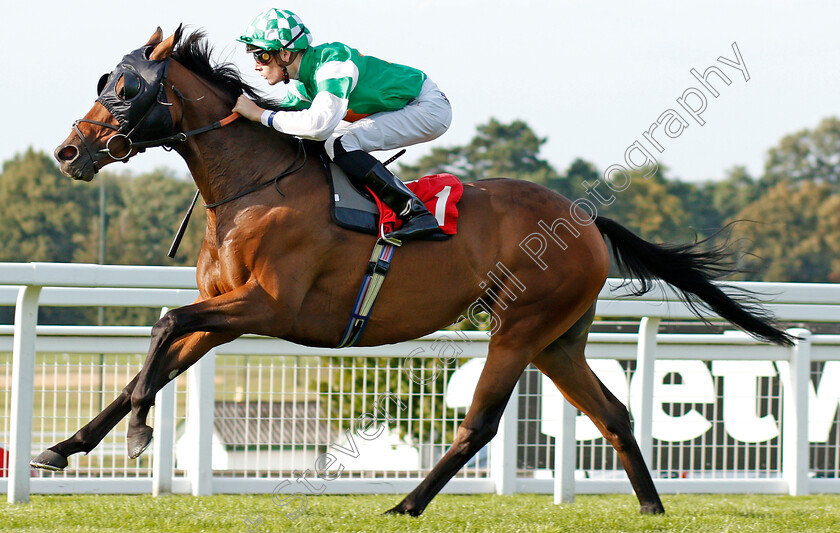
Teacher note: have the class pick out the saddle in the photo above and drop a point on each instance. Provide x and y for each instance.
(354, 208)
(351, 208)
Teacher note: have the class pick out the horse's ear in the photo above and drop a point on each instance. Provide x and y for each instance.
(164, 48)
(156, 37)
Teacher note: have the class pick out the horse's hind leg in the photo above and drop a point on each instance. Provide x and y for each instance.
(500, 374)
(564, 363)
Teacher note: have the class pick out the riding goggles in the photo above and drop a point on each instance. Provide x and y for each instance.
(263, 57)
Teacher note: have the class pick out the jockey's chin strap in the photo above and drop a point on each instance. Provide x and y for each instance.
(286, 46)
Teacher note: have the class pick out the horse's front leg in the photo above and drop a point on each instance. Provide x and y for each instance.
(247, 309)
(92, 433)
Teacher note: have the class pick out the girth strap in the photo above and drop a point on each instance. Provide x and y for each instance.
(380, 262)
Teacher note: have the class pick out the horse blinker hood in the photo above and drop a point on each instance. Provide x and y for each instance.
(131, 91)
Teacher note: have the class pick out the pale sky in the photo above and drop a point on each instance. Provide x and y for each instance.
(591, 77)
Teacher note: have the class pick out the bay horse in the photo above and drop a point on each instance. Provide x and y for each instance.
(272, 262)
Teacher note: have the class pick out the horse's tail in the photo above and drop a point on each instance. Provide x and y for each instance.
(691, 269)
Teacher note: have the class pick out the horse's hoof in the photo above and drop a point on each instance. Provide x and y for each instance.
(401, 509)
(653, 508)
(138, 442)
(49, 460)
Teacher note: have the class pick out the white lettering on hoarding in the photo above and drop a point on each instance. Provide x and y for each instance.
(695, 385)
(740, 400)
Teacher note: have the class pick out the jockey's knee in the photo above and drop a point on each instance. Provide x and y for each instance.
(356, 163)
(341, 142)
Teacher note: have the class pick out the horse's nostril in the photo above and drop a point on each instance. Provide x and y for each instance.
(67, 153)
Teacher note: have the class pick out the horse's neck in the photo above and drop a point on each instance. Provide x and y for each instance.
(241, 156)
(237, 157)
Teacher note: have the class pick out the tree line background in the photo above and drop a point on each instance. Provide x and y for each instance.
(788, 229)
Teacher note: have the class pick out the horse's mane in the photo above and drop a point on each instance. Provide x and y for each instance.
(195, 54)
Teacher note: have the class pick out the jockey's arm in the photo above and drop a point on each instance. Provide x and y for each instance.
(317, 122)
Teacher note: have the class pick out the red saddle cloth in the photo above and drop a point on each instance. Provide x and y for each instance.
(439, 192)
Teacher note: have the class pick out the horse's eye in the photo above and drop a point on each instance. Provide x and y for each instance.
(128, 86)
(103, 81)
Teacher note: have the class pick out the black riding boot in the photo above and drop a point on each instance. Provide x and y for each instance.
(418, 222)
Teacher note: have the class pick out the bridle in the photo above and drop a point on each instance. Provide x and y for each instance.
(156, 120)
(140, 146)
(121, 101)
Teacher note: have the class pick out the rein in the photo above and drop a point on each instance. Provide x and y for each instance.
(183, 136)
(173, 249)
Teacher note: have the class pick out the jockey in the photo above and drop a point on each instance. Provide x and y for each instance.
(384, 106)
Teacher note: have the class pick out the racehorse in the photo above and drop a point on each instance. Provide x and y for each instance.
(272, 262)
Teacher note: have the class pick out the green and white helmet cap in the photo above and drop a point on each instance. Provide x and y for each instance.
(277, 29)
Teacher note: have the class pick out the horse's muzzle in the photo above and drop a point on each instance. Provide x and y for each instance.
(74, 162)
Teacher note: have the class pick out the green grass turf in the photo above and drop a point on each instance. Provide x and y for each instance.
(526, 513)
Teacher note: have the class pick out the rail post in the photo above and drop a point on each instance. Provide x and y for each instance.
(645, 365)
(565, 455)
(503, 447)
(202, 397)
(23, 394)
(795, 411)
(164, 434)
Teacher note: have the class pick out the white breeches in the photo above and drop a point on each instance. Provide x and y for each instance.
(423, 118)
